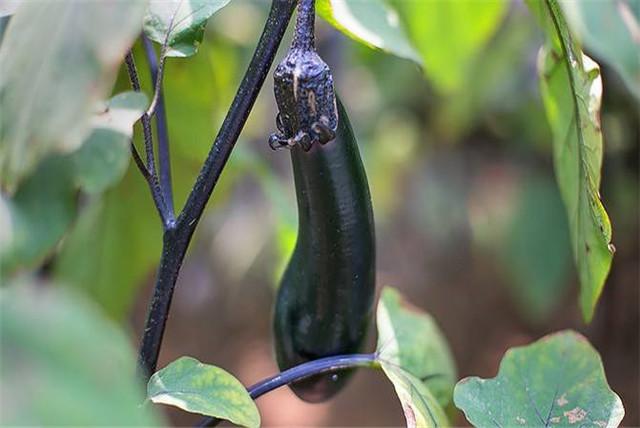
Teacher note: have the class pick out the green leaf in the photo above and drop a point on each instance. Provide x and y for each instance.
(47, 96)
(556, 381)
(110, 253)
(449, 35)
(44, 205)
(571, 88)
(114, 244)
(180, 22)
(415, 357)
(372, 23)
(411, 340)
(63, 363)
(195, 387)
(420, 407)
(37, 215)
(610, 29)
(194, 110)
(103, 158)
(121, 112)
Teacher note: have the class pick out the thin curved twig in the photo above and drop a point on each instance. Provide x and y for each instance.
(148, 172)
(162, 132)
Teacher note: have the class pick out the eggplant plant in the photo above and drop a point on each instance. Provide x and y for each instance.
(66, 138)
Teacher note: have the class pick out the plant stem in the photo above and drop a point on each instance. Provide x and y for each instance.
(303, 371)
(148, 172)
(164, 159)
(178, 236)
(312, 368)
(139, 162)
(173, 252)
(146, 120)
(304, 34)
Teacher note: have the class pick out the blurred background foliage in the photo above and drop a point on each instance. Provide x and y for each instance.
(470, 223)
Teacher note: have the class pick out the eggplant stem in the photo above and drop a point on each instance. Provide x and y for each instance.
(303, 371)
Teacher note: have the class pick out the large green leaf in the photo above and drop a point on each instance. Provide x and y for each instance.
(47, 96)
(63, 363)
(556, 381)
(372, 23)
(410, 339)
(610, 29)
(180, 22)
(415, 357)
(114, 244)
(449, 34)
(195, 387)
(572, 90)
(44, 205)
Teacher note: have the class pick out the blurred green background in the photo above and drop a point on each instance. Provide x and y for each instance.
(470, 224)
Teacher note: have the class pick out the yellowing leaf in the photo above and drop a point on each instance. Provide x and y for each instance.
(571, 88)
(201, 388)
(557, 381)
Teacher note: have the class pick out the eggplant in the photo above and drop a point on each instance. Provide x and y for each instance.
(325, 300)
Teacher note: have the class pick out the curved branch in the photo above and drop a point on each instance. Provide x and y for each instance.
(148, 172)
(303, 371)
